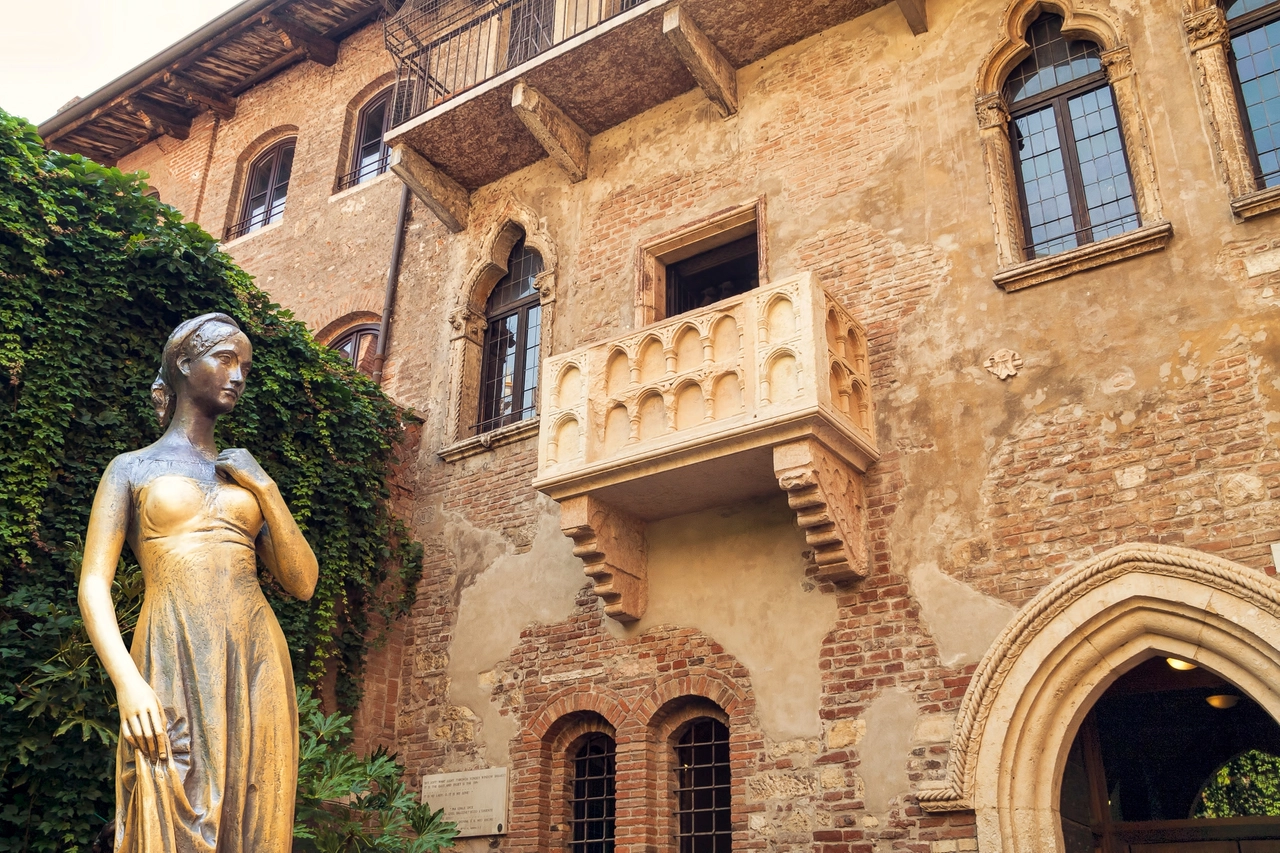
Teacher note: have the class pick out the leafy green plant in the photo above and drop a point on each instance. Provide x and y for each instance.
(348, 804)
(1246, 786)
(93, 277)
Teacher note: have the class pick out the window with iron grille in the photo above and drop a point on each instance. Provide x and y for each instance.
(266, 189)
(512, 340)
(1073, 174)
(593, 795)
(703, 811)
(1255, 53)
(358, 345)
(370, 156)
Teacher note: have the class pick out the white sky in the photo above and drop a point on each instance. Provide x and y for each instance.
(53, 50)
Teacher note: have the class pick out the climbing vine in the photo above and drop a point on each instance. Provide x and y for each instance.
(93, 276)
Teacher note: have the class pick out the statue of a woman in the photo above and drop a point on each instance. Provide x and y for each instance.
(208, 756)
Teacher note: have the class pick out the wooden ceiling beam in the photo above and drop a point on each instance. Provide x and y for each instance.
(158, 118)
(199, 95)
(297, 35)
(914, 12)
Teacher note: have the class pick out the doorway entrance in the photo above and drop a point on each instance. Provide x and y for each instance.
(1172, 758)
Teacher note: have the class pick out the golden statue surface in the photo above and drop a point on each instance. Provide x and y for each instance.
(208, 754)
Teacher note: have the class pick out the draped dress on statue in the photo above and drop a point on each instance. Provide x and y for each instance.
(209, 644)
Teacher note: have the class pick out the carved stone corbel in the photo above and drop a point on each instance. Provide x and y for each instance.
(614, 554)
(827, 495)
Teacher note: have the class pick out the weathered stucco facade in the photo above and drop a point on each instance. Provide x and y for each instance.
(1144, 407)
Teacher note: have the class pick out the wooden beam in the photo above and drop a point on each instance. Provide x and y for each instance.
(559, 135)
(913, 11)
(705, 62)
(158, 118)
(441, 194)
(199, 95)
(298, 35)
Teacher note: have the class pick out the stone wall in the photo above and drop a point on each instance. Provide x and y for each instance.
(1146, 408)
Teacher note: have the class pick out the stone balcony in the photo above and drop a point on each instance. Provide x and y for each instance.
(765, 391)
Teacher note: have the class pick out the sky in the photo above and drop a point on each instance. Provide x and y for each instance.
(53, 50)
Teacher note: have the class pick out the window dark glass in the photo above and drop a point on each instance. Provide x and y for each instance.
(370, 156)
(593, 795)
(1255, 49)
(358, 346)
(1073, 175)
(509, 372)
(532, 27)
(266, 189)
(703, 812)
(715, 274)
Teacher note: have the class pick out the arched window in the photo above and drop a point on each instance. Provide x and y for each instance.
(266, 188)
(1254, 27)
(512, 339)
(703, 805)
(369, 154)
(1068, 148)
(357, 346)
(593, 803)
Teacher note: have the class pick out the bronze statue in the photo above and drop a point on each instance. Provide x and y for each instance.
(208, 756)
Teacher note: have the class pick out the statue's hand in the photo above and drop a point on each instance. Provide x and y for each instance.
(142, 722)
(239, 465)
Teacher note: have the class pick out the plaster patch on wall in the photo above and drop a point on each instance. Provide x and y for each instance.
(891, 719)
(738, 575)
(962, 620)
(509, 591)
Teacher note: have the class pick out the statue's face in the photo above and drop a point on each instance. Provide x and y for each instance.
(215, 380)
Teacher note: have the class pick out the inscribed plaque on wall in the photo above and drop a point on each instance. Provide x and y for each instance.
(475, 799)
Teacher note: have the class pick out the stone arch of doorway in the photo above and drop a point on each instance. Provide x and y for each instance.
(1039, 679)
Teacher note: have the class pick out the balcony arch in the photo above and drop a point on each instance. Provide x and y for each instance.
(1039, 679)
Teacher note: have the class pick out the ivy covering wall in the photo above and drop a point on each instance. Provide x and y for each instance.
(93, 277)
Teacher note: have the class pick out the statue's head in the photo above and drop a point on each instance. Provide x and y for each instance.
(206, 359)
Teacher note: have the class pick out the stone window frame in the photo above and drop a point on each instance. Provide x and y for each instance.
(1014, 270)
(350, 127)
(1208, 42)
(467, 326)
(688, 240)
(248, 156)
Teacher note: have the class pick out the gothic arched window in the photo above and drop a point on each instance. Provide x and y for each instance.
(512, 342)
(1068, 147)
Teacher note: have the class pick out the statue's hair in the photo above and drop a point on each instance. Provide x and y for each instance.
(192, 339)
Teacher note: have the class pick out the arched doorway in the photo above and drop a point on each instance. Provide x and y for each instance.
(1035, 689)
(1173, 758)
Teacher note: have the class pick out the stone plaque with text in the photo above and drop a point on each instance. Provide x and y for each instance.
(474, 799)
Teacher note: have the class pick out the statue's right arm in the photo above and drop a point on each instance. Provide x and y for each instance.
(142, 721)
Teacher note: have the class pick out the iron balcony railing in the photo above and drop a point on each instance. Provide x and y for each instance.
(258, 218)
(369, 169)
(443, 47)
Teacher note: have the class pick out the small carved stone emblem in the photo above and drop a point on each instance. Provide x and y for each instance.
(1003, 363)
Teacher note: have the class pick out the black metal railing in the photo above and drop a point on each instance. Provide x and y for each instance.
(365, 171)
(443, 47)
(257, 219)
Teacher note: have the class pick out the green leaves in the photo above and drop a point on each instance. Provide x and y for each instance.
(348, 804)
(1246, 786)
(93, 277)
